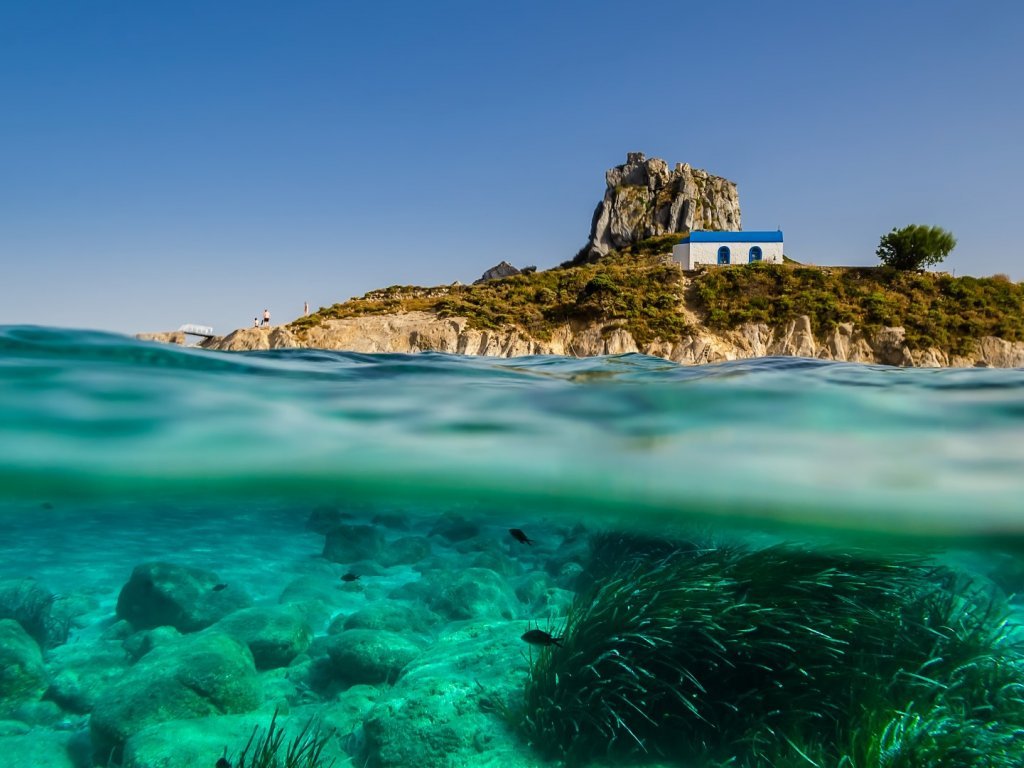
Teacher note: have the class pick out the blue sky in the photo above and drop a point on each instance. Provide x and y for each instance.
(170, 162)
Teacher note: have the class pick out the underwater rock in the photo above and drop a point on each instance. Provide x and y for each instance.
(324, 519)
(370, 656)
(32, 605)
(352, 543)
(497, 561)
(404, 551)
(198, 743)
(274, 634)
(22, 672)
(141, 643)
(81, 672)
(38, 749)
(192, 676)
(442, 712)
(13, 728)
(532, 586)
(455, 528)
(389, 615)
(469, 593)
(165, 594)
(398, 521)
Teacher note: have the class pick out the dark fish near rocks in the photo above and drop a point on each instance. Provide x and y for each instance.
(521, 537)
(540, 637)
(219, 587)
(350, 577)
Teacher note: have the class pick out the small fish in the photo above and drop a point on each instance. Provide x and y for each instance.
(350, 577)
(218, 588)
(223, 763)
(540, 637)
(521, 537)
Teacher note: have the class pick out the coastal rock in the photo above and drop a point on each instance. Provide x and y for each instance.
(275, 635)
(370, 656)
(498, 271)
(412, 332)
(164, 337)
(251, 339)
(164, 594)
(192, 676)
(643, 199)
(22, 672)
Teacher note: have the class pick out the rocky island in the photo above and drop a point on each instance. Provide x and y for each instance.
(623, 292)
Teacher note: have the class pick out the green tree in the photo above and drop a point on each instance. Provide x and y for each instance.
(915, 247)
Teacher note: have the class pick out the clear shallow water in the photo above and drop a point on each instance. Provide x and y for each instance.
(115, 454)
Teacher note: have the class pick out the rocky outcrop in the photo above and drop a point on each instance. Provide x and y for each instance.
(426, 332)
(644, 199)
(166, 337)
(498, 271)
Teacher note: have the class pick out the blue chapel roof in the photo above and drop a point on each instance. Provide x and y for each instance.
(746, 236)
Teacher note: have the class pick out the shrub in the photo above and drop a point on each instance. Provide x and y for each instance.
(915, 247)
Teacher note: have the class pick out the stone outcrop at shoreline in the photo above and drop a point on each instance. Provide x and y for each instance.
(426, 332)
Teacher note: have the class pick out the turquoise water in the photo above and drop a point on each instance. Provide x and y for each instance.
(275, 474)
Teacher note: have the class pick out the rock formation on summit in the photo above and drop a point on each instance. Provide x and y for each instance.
(645, 199)
(498, 271)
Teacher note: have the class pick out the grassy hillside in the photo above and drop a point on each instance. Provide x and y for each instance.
(935, 308)
(641, 291)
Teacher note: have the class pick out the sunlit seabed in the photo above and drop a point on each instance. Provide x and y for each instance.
(272, 475)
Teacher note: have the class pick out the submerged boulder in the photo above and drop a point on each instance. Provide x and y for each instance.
(275, 634)
(466, 594)
(22, 672)
(188, 677)
(352, 543)
(370, 656)
(164, 594)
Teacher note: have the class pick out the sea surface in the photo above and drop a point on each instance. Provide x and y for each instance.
(192, 541)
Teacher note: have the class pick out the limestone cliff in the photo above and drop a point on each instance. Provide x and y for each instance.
(645, 199)
(425, 331)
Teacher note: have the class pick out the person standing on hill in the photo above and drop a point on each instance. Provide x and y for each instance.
(266, 317)
(305, 308)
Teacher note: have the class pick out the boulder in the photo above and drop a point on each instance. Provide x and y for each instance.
(370, 656)
(82, 672)
(389, 615)
(164, 594)
(467, 593)
(455, 528)
(404, 551)
(201, 742)
(275, 634)
(189, 677)
(498, 271)
(39, 749)
(351, 543)
(22, 672)
(442, 713)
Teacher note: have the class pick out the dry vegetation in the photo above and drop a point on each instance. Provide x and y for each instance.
(644, 293)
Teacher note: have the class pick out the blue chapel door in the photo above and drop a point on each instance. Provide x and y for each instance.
(723, 255)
